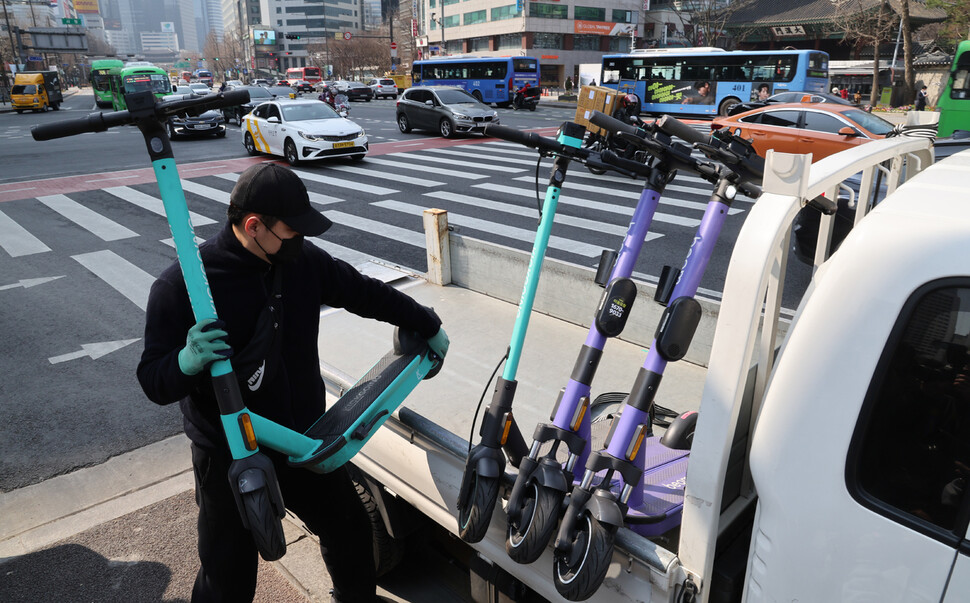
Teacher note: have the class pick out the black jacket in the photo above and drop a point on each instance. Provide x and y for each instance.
(292, 394)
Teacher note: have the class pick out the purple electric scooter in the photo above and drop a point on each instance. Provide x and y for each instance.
(640, 480)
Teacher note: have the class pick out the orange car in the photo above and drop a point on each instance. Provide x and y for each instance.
(819, 129)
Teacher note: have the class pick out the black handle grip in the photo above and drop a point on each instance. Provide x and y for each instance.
(529, 139)
(202, 104)
(614, 161)
(612, 124)
(675, 127)
(94, 122)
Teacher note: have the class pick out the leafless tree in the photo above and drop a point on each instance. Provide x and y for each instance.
(867, 23)
(909, 76)
(957, 24)
(703, 21)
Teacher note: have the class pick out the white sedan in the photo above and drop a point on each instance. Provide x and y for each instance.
(301, 130)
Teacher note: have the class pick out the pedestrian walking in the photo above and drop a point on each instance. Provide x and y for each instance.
(921, 98)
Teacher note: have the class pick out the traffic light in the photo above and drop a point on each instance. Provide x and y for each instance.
(289, 53)
(292, 36)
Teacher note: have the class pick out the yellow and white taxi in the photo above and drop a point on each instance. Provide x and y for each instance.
(302, 130)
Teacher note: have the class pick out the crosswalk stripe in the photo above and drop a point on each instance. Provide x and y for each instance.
(351, 256)
(512, 232)
(171, 241)
(455, 162)
(314, 197)
(491, 158)
(510, 148)
(597, 205)
(147, 202)
(608, 192)
(341, 183)
(15, 239)
(384, 175)
(530, 212)
(425, 168)
(123, 276)
(215, 194)
(388, 231)
(95, 223)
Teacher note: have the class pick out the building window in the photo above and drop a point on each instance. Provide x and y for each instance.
(279, 10)
(509, 41)
(452, 21)
(620, 44)
(505, 12)
(622, 16)
(586, 42)
(547, 40)
(588, 13)
(478, 16)
(478, 44)
(548, 11)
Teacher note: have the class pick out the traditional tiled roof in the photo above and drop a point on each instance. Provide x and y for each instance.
(804, 12)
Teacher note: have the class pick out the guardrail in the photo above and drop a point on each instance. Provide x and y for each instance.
(744, 348)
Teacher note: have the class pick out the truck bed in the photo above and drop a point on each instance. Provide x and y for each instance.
(419, 454)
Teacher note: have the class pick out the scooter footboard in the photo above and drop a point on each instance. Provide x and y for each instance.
(344, 429)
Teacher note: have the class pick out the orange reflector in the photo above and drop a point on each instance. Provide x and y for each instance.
(579, 419)
(507, 428)
(636, 447)
(249, 435)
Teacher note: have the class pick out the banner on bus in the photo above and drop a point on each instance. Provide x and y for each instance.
(681, 92)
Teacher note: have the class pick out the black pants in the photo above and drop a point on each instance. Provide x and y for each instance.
(328, 505)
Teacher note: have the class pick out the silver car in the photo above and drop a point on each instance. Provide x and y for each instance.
(383, 87)
(444, 109)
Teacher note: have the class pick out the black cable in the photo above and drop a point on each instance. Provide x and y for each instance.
(471, 434)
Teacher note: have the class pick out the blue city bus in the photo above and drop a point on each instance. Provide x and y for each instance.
(489, 79)
(709, 81)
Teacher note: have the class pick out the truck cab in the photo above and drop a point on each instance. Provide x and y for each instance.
(36, 90)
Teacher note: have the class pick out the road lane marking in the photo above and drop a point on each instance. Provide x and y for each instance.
(425, 168)
(341, 183)
(314, 197)
(373, 227)
(206, 191)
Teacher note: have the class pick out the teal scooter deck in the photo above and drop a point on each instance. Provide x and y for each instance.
(344, 429)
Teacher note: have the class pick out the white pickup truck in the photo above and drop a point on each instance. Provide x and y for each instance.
(831, 455)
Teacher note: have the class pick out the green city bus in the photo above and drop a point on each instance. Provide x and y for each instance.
(954, 103)
(100, 78)
(138, 78)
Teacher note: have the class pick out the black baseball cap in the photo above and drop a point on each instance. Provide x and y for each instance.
(274, 190)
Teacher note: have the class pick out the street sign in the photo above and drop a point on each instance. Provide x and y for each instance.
(35, 59)
(393, 45)
(347, 35)
(70, 21)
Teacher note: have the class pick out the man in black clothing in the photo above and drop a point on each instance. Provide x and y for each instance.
(268, 286)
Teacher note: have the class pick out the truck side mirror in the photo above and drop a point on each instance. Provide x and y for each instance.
(175, 88)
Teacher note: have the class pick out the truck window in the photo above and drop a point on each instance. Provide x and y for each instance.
(911, 450)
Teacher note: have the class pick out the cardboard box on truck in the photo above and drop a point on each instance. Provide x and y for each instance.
(594, 98)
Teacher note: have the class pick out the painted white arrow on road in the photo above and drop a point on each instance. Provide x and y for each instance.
(94, 350)
(27, 283)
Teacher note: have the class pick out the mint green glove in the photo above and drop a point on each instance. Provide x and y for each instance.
(204, 344)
